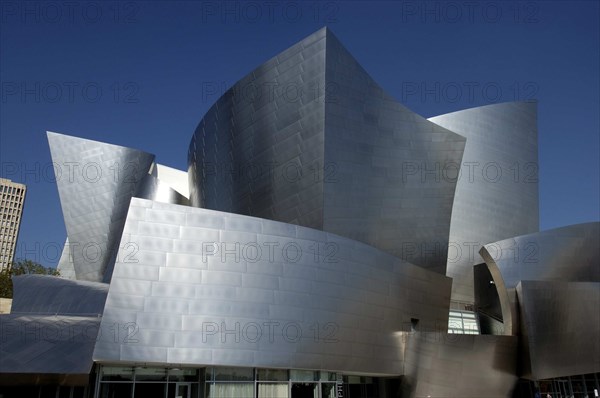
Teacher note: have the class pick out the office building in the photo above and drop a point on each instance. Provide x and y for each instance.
(12, 199)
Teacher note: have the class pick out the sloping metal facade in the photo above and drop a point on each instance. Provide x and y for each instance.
(51, 330)
(548, 286)
(320, 144)
(95, 184)
(224, 289)
(497, 189)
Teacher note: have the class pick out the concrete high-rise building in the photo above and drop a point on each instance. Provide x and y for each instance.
(12, 199)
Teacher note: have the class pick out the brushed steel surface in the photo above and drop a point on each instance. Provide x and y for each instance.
(567, 254)
(44, 294)
(65, 265)
(176, 179)
(53, 326)
(548, 284)
(452, 365)
(95, 183)
(343, 156)
(255, 149)
(347, 300)
(391, 188)
(47, 344)
(153, 188)
(560, 328)
(497, 193)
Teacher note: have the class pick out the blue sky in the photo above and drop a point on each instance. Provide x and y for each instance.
(138, 74)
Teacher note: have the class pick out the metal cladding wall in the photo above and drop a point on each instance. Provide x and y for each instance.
(343, 157)
(497, 192)
(54, 345)
(65, 263)
(568, 254)
(51, 331)
(153, 188)
(259, 147)
(560, 325)
(385, 166)
(213, 288)
(95, 186)
(549, 288)
(452, 365)
(44, 294)
(176, 179)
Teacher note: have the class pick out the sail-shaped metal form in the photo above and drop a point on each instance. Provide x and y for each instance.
(340, 155)
(95, 185)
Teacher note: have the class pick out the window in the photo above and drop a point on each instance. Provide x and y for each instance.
(463, 322)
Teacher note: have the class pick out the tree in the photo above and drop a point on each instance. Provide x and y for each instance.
(21, 267)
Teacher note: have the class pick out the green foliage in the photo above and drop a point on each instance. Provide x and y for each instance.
(5, 284)
(21, 268)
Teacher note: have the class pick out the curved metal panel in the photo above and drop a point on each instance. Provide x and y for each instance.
(487, 302)
(95, 185)
(213, 288)
(340, 155)
(497, 191)
(453, 365)
(155, 189)
(65, 263)
(560, 328)
(176, 179)
(47, 345)
(44, 294)
(255, 150)
(388, 184)
(560, 254)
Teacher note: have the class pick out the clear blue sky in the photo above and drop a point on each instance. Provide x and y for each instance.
(135, 74)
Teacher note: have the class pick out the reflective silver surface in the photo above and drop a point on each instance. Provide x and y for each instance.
(340, 155)
(332, 303)
(154, 189)
(47, 344)
(176, 179)
(497, 192)
(548, 285)
(560, 328)
(52, 327)
(392, 188)
(452, 365)
(259, 148)
(65, 265)
(43, 294)
(562, 254)
(95, 184)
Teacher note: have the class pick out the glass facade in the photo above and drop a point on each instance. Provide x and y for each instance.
(579, 386)
(230, 382)
(148, 382)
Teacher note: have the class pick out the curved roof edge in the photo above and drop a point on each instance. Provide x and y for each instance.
(45, 294)
(533, 102)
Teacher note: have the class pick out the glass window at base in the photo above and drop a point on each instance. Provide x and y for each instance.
(230, 390)
(116, 390)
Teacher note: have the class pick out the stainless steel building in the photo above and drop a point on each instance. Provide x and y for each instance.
(497, 193)
(306, 252)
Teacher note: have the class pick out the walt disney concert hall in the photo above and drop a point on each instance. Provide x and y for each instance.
(324, 242)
